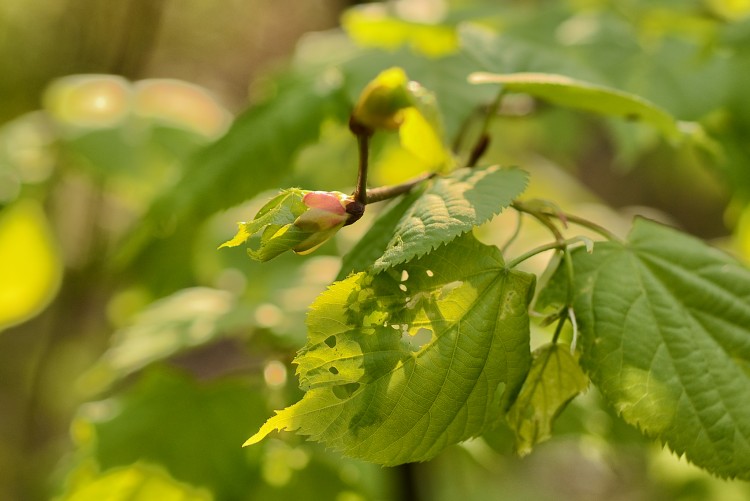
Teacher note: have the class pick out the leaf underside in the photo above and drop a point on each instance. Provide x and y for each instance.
(451, 206)
(665, 335)
(401, 364)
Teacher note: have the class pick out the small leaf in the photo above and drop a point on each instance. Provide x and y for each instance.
(665, 334)
(401, 364)
(382, 102)
(30, 266)
(138, 482)
(580, 95)
(451, 206)
(553, 380)
(295, 219)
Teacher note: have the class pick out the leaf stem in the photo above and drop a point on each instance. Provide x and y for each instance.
(559, 327)
(591, 226)
(387, 192)
(360, 192)
(559, 245)
(544, 213)
(483, 140)
(515, 234)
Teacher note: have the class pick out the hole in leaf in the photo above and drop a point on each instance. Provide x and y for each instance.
(430, 273)
(345, 391)
(418, 340)
(404, 276)
(333, 370)
(330, 341)
(402, 287)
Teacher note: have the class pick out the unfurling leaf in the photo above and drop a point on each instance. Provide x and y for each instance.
(381, 104)
(665, 334)
(553, 380)
(401, 364)
(297, 220)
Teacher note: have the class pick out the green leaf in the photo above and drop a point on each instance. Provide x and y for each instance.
(186, 319)
(166, 417)
(372, 245)
(401, 364)
(554, 379)
(580, 95)
(453, 205)
(664, 333)
(138, 482)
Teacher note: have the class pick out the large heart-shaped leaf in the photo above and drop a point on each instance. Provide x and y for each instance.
(401, 364)
(665, 334)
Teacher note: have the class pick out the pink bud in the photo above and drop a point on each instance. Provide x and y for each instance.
(326, 210)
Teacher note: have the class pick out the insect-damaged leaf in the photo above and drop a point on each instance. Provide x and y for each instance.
(401, 364)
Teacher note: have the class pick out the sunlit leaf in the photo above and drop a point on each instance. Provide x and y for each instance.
(577, 94)
(138, 482)
(401, 364)
(424, 141)
(665, 334)
(371, 26)
(30, 264)
(553, 380)
(453, 205)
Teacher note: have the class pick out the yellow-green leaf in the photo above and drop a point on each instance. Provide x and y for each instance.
(138, 482)
(553, 380)
(371, 26)
(30, 264)
(401, 364)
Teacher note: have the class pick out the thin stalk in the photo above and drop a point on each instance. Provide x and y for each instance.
(559, 245)
(542, 214)
(387, 192)
(515, 234)
(591, 226)
(360, 192)
(533, 252)
(559, 328)
(483, 140)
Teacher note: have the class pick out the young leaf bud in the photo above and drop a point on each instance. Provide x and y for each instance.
(297, 220)
(381, 103)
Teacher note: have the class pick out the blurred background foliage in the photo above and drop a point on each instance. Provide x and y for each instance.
(135, 358)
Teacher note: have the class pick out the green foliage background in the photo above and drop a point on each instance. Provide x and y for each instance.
(132, 353)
